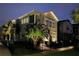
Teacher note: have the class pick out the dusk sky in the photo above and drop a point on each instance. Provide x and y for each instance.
(12, 11)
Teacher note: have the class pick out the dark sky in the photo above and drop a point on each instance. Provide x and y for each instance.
(9, 11)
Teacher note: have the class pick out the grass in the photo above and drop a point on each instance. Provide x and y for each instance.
(56, 53)
(22, 51)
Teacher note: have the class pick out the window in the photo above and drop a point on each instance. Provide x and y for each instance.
(68, 28)
(22, 21)
(26, 20)
(49, 23)
(54, 25)
(31, 19)
(37, 19)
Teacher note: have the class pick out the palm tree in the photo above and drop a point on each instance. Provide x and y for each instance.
(6, 32)
(35, 32)
(75, 15)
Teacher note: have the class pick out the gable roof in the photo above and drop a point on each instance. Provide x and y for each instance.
(33, 11)
(51, 15)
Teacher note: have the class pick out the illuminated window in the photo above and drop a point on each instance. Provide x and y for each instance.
(22, 21)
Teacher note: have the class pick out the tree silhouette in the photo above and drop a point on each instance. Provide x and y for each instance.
(75, 15)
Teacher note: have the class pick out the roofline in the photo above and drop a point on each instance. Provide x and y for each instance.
(54, 15)
(64, 20)
(27, 14)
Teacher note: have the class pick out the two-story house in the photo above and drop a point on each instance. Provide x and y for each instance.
(34, 17)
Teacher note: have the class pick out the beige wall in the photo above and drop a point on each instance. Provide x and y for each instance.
(43, 18)
(53, 28)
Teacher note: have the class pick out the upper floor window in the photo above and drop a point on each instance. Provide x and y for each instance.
(49, 23)
(31, 19)
(24, 20)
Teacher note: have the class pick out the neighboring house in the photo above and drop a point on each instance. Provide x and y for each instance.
(76, 33)
(65, 32)
(34, 17)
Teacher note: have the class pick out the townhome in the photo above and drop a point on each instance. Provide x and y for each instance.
(49, 19)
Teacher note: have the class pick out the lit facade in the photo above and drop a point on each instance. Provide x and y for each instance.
(47, 18)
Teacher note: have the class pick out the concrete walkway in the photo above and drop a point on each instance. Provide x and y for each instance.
(65, 48)
(4, 51)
